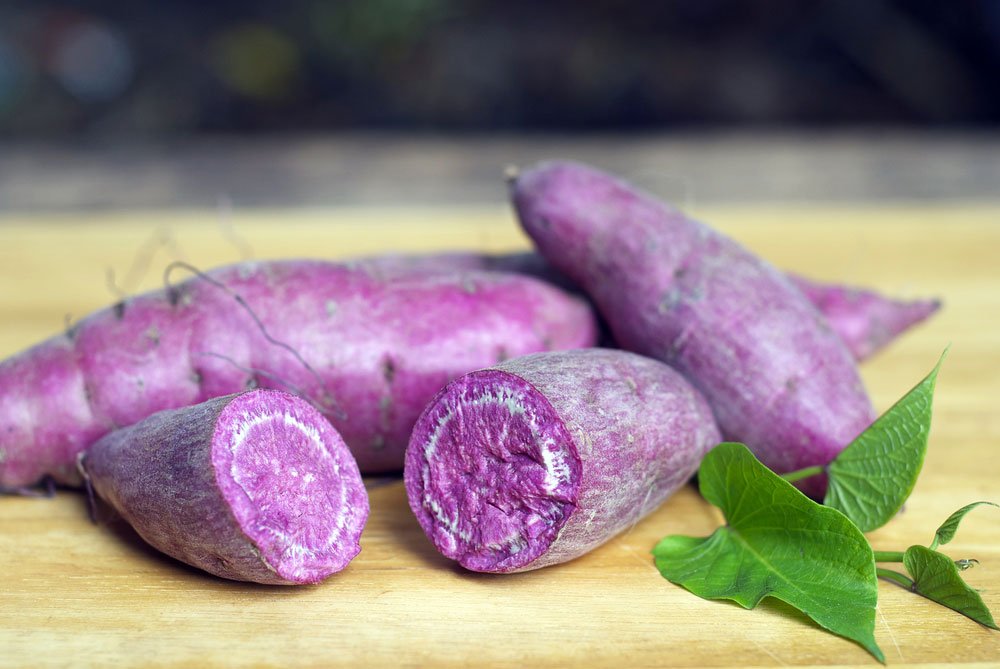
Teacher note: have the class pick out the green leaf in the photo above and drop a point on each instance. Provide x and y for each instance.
(871, 478)
(946, 532)
(777, 543)
(936, 577)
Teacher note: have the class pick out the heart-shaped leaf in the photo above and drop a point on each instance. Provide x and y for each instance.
(936, 577)
(777, 543)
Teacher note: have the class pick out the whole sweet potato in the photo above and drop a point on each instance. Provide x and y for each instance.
(775, 374)
(256, 487)
(542, 458)
(369, 350)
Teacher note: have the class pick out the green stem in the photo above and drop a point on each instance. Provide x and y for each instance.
(895, 577)
(888, 556)
(800, 474)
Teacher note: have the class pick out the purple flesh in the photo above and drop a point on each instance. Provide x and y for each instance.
(501, 472)
(291, 483)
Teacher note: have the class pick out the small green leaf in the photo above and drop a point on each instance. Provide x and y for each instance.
(777, 543)
(946, 532)
(871, 478)
(936, 577)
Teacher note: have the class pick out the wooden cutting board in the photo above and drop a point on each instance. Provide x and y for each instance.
(78, 594)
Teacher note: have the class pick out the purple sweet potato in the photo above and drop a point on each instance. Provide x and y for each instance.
(255, 486)
(542, 458)
(864, 319)
(775, 374)
(371, 351)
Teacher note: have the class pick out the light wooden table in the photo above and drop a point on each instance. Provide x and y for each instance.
(77, 594)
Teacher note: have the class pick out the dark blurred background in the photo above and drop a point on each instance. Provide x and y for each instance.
(184, 74)
(237, 66)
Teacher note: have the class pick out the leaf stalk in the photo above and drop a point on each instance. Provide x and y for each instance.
(894, 576)
(800, 474)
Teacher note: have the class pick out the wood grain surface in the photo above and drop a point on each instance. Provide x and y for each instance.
(78, 594)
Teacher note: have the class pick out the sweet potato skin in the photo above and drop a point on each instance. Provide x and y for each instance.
(163, 476)
(775, 374)
(865, 320)
(369, 349)
(633, 427)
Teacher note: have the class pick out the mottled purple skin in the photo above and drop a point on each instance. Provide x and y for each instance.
(865, 320)
(255, 487)
(379, 347)
(542, 458)
(526, 262)
(776, 375)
